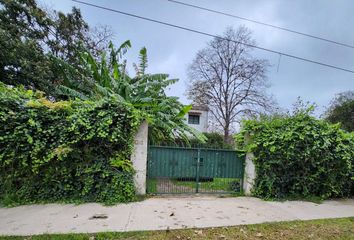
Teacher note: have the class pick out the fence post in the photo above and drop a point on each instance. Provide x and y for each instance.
(197, 173)
(249, 172)
(139, 158)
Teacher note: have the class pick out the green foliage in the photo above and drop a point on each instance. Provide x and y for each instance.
(79, 148)
(107, 77)
(29, 36)
(57, 54)
(299, 156)
(66, 150)
(341, 111)
(216, 140)
(212, 140)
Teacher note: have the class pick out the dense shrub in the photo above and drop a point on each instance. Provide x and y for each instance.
(299, 156)
(342, 111)
(64, 151)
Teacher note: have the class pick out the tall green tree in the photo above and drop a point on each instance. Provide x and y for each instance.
(29, 36)
(341, 110)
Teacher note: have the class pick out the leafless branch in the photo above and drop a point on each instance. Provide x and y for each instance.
(229, 80)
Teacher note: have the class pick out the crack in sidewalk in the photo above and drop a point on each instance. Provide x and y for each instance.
(129, 216)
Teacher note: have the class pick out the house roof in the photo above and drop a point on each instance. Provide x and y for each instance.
(200, 108)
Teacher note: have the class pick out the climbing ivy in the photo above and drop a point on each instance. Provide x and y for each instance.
(299, 156)
(65, 151)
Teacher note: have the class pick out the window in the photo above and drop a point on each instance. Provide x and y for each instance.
(193, 119)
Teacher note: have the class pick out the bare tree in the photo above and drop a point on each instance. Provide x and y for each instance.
(225, 77)
(100, 36)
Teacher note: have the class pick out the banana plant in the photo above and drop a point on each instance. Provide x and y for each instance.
(108, 77)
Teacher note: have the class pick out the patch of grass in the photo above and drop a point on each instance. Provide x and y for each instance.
(190, 184)
(223, 184)
(152, 185)
(217, 184)
(341, 228)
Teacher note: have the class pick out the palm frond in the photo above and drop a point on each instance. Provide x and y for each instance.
(71, 93)
(143, 61)
(108, 77)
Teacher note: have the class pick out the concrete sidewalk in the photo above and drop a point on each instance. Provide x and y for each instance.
(163, 213)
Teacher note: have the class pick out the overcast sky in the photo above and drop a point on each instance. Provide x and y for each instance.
(171, 50)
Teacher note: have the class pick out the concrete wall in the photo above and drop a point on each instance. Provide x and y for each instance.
(139, 158)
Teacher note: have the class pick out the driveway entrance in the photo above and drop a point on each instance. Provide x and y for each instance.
(194, 170)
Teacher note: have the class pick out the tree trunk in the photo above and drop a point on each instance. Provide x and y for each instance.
(227, 134)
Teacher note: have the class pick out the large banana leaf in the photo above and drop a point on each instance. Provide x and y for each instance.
(107, 77)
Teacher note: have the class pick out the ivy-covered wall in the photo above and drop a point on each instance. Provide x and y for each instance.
(299, 157)
(65, 151)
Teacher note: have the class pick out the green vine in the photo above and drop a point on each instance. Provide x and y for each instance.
(299, 157)
(65, 151)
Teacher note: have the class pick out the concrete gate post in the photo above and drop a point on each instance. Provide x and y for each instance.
(250, 171)
(250, 174)
(139, 158)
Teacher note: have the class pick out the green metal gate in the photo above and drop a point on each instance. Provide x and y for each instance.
(194, 170)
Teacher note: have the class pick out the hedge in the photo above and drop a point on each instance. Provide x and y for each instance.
(299, 157)
(66, 150)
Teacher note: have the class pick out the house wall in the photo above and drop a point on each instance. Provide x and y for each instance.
(203, 120)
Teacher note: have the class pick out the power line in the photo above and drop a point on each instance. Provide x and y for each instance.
(214, 36)
(263, 23)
